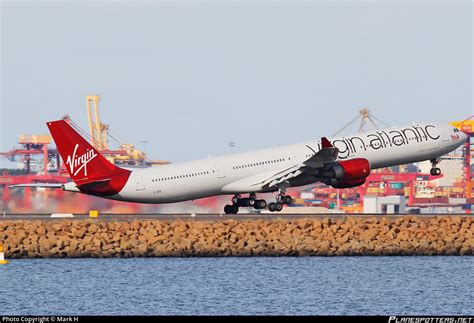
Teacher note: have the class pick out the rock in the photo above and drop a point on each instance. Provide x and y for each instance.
(135, 225)
(151, 239)
(78, 233)
(352, 236)
(41, 231)
(468, 243)
(93, 228)
(45, 246)
(323, 248)
(56, 227)
(342, 240)
(87, 239)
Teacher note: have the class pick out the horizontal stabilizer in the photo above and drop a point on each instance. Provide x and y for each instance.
(92, 184)
(45, 185)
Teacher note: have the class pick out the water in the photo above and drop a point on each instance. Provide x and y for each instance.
(231, 286)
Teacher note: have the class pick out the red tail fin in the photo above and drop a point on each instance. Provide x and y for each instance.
(86, 166)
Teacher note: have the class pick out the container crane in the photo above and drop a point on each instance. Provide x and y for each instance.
(467, 126)
(365, 117)
(98, 131)
(99, 134)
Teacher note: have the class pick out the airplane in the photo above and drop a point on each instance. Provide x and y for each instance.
(340, 162)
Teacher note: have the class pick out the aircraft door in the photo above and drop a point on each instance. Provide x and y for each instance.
(139, 184)
(220, 172)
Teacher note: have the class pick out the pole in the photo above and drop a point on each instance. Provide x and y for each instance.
(97, 123)
(89, 98)
(411, 197)
(45, 159)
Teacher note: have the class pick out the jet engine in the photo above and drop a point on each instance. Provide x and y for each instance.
(346, 173)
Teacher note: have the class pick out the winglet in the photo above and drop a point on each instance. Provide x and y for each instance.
(325, 143)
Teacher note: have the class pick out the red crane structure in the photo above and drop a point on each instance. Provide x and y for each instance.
(467, 126)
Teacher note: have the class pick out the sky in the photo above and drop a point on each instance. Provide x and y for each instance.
(188, 77)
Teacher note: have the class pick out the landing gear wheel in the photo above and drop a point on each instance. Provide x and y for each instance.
(287, 200)
(228, 209)
(245, 202)
(260, 204)
(272, 207)
(235, 209)
(278, 206)
(435, 171)
(275, 207)
(231, 209)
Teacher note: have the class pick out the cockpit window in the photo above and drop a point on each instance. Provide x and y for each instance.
(456, 130)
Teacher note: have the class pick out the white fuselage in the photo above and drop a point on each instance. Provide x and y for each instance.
(235, 174)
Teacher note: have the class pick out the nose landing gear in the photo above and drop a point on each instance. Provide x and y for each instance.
(435, 171)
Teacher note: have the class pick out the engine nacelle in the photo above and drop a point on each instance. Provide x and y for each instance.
(355, 169)
(347, 173)
(348, 184)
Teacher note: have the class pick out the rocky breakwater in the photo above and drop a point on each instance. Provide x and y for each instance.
(280, 237)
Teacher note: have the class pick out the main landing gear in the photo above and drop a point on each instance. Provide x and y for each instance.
(435, 170)
(281, 199)
(252, 201)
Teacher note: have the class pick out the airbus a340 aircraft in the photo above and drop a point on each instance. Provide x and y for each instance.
(340, 162)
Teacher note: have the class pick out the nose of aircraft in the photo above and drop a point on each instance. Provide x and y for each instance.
(463, 136)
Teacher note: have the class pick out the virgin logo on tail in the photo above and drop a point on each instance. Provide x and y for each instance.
(76, 163)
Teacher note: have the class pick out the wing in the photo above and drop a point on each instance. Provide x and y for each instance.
(327, 154)
(313, 165)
